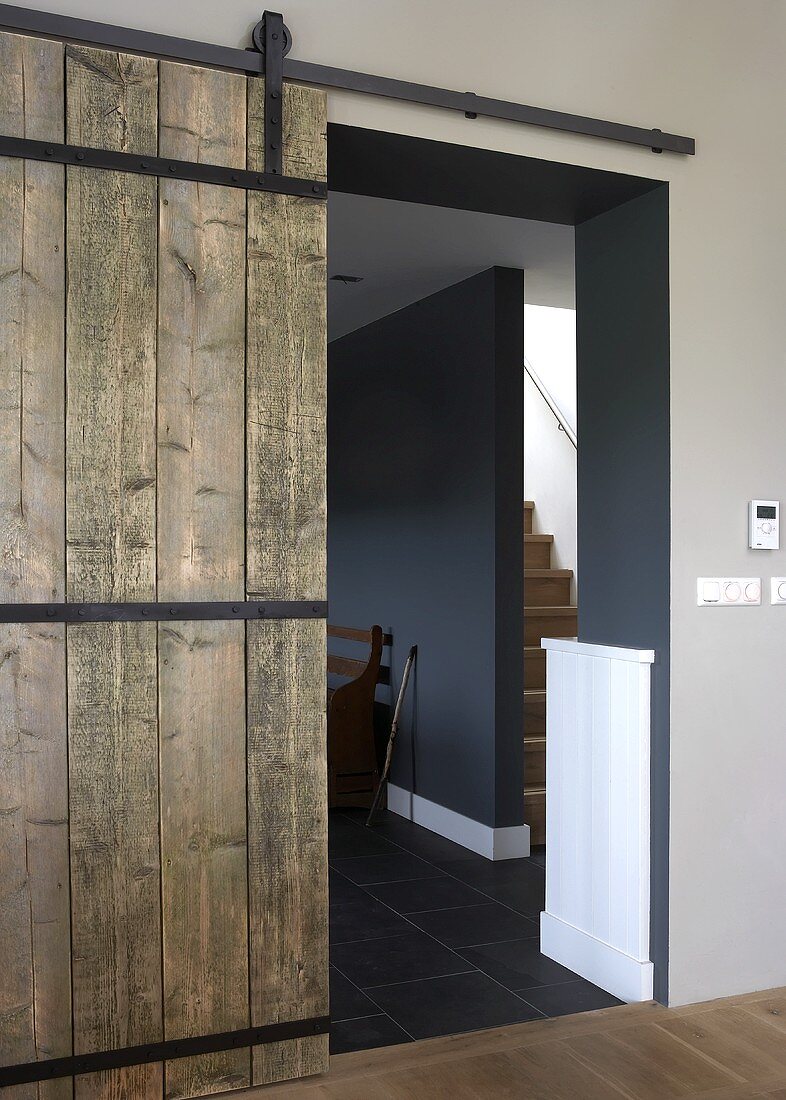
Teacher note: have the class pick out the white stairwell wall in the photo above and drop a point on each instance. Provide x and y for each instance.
(597, 914)
(549, 455)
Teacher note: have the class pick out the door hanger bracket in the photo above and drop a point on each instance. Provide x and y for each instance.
(273, 40)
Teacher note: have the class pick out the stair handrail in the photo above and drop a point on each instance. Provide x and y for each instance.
(562, 420)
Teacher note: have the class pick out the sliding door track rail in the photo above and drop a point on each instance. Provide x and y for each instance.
(253, 61)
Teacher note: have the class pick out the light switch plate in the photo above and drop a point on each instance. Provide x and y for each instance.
(729, 591)
(778, 590)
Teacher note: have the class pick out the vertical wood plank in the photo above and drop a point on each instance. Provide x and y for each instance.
(286, 369)
(110, 526)
(287, 809)
(285, 467)
(618, 809)
(35, 944)
(201, 556)
(585, 714)
(553, 764)
(601, 840)
(201, 342)
(568, 788)
(111, 321)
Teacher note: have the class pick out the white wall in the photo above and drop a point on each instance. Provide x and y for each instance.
(550, 347)
(712, 69)
(550, 478)
(549, 456)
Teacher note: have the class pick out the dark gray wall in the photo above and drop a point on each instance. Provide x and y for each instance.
(622, 302)
(425, 423)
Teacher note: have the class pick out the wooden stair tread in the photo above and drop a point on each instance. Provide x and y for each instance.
(534, 790)
(566, 573)
(534, 691)
(539, 538)
(552, 612)
(529, 504)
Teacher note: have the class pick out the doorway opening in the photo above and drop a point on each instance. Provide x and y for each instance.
(435, 255)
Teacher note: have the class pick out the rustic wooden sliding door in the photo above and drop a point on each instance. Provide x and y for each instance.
(163, 869)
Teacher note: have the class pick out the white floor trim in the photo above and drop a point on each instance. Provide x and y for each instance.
(508, 843)
(619, 974)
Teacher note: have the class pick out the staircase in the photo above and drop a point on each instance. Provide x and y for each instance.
(547, 614)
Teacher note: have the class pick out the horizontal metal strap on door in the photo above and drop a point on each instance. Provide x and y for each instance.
(160, 612)
(165, 1051)
(86, 157)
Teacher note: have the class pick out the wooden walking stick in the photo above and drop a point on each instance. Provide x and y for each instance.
(393, 731)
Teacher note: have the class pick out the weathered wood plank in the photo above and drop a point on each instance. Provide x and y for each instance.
(286, 375)
(201, 556)
(287, 822)
(113, 765)
(285, 439)
(111, 319)
(110, 528)
(201, 342)
(35, 942)
(203, 841)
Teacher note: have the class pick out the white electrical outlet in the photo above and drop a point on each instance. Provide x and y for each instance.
(778, 590)
(729, 591)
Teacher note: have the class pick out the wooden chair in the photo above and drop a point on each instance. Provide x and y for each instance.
(353, 768)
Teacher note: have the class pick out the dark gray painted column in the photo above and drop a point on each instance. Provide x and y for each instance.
(622, 302)
(425, 494)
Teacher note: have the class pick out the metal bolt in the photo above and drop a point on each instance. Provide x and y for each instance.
(315, 609)
(144, 164)
(172, 610)
(51, 612)
(49, 152)
(274, 37)
(316, 188)
(172, 168)
(144, 611)
(274, 120)
(273, 145)
(80, 156)
(274, 95)
(234, 177)
(235, 610)
(81, 611)
(261, 610)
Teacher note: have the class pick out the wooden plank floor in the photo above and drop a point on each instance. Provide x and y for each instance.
(733, 1049)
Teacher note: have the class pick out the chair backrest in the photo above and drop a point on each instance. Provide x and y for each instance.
(353, 668)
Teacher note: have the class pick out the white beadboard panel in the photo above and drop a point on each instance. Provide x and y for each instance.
(597, 814)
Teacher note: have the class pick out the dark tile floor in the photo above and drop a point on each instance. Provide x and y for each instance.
(429, 939)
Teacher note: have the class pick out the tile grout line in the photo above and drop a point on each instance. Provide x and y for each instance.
(475, 970)
(441, 873)
(364, 994)
(455, 951)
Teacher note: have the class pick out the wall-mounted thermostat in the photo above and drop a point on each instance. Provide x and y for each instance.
(763, 524)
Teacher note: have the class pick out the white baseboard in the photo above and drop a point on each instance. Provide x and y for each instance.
(508, 843)
(619, 974)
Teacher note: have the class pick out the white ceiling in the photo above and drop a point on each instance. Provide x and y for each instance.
(404, 252)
